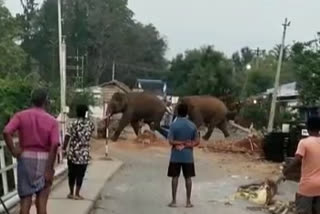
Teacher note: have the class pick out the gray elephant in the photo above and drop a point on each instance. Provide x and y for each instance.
(136, 107)
(208, 111)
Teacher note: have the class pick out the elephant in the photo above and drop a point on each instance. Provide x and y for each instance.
(136, 107)
(209, 111)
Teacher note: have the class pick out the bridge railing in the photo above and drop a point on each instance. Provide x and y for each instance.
(8, 171)
(8, 175)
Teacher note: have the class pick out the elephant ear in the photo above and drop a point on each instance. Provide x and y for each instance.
(190, 105)
(121, 99)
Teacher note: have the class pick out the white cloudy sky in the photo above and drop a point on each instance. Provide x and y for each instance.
(226, 24)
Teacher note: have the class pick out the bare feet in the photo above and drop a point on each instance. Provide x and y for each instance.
(78, 197)
(173, 204)
(70, 196)
(189, 205)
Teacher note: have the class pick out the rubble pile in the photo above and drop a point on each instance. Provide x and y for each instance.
(250, 145)
(280, 207)
(259, 193)
(263, 194)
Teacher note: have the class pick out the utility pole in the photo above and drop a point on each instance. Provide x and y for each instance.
(277, 78)
(62, 68)
(79, 76)
(62, 62)
(113, 70)
(77, 58)
(258, 52)
(82, 71)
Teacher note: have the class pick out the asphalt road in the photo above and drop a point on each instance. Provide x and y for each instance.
(141, 186)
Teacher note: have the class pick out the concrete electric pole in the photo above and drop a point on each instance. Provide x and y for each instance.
(277, 78)
(62, 63)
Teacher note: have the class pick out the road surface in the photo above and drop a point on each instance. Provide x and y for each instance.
(141, 186)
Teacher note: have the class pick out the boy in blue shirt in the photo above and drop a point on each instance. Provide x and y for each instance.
(183, 137)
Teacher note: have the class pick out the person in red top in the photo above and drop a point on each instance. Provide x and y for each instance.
(36, 152)
(308, 153)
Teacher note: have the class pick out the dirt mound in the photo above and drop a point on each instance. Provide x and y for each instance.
(250, 145)
(149, 137)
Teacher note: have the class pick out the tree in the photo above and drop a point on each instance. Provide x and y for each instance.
(101, 31)
(306, 61)
(202, 71)
(242, 59)
(12, 57)
(115, 36)
(27, 22)
(275, 52)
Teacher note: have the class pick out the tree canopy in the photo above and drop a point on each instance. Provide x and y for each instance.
(202, 71)
(306, 60)
(12, 56)
(100, 31)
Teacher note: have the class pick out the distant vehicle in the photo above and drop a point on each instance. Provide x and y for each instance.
(156, 87)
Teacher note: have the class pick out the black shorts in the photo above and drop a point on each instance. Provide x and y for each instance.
(188, 170)
(307, 205)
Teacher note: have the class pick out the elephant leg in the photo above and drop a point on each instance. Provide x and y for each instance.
(207, 136)
(196, 117)
(123, 123)
(136, 127)
(161, 130)
(223, 127)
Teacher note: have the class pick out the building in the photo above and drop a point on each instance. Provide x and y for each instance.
(110, 88)
(287, 93)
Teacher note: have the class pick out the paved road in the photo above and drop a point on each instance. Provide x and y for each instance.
(141, 187)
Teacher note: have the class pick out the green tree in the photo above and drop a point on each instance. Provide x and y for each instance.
(27, 22)
(12, 57)
(306, 61)
(275, 52)
(101, 31)
(202, 71)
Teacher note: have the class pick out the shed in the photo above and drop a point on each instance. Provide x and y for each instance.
(109, 88)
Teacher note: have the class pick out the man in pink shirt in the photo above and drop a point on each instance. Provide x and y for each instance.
(38, 142)
(308, 153)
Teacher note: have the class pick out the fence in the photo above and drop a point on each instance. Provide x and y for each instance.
(8, 178)
(8, 170)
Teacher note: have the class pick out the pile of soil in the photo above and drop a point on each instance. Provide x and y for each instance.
(148, 137)
(249, 145)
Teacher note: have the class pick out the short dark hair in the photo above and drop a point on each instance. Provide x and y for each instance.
(313, 124)
(82, 110)
(182, 110)
(39, 97)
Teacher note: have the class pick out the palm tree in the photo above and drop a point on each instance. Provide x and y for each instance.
(276, 52)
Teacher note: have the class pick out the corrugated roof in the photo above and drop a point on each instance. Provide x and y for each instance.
(150, 81)
(286, 90)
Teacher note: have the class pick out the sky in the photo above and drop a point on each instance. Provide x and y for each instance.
(228, 25)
